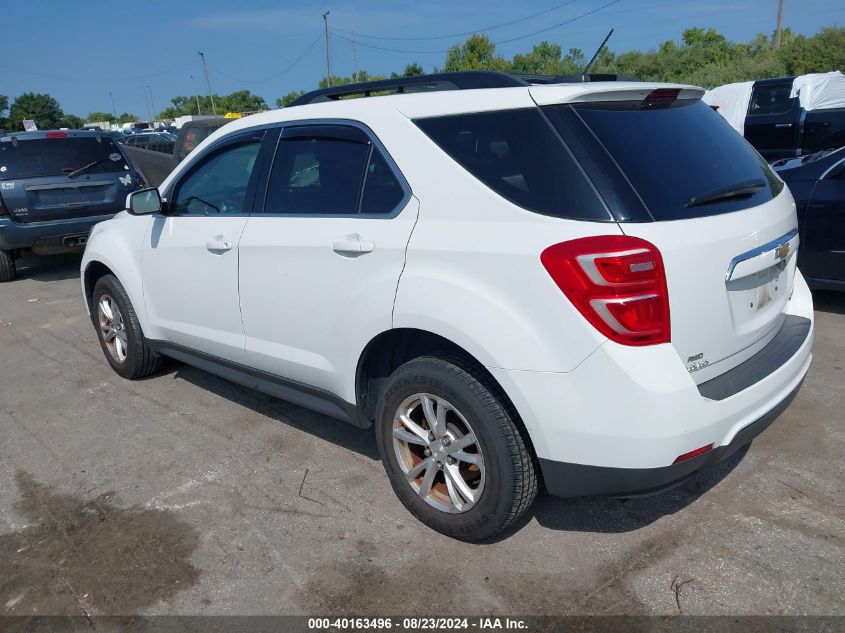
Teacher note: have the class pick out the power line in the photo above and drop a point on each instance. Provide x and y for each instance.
(451, 35)
(551, 28)
(506, 41)
(274, 75)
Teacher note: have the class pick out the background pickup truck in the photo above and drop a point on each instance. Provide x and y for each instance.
(787, 116)
(154, 165)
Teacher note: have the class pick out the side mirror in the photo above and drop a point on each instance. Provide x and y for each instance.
(144, 202)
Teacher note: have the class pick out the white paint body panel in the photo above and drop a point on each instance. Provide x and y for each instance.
(308, 311)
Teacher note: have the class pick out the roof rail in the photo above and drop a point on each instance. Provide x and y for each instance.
(459, 80)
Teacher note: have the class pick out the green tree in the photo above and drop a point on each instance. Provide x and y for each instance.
(477, 53)
(4, 105)
(286, 100)
(94, 117)
(544, 59)
(126, 117)
(41, 108)
(412, 70)
(71, 121)
(239, 101)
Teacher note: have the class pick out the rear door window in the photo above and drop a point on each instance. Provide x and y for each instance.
(337, 170)
(676, 156)
(771, 99)
(40, 157)
(517, 154)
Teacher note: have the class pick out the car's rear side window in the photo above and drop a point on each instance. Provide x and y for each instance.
(326, 175)
(676, 157)
(32, 158)
(517, 154)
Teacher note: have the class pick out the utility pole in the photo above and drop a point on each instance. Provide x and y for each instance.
(354, 58)
(113, 109)
(328, 59)
(208, 83)
(196, 94)
(779, 26)
(152, 105)
(147, 105)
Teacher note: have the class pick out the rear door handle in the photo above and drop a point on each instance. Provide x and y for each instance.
(219, 244)
(783, 124)
(353, 244)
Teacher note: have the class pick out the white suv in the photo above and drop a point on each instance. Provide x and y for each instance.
(589, 287)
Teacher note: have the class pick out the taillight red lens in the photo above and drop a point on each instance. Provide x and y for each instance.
(691, 454)
(56, 135)
(617, 283)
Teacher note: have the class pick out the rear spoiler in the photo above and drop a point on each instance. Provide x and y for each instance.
(615, 91)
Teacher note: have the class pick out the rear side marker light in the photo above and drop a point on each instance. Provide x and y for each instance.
(617, 283)
(691, 454)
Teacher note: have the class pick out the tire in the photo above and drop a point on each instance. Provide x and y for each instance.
(501, 473)
(8, 270)
(137, 358)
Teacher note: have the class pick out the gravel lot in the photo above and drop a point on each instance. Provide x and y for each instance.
(184, 494)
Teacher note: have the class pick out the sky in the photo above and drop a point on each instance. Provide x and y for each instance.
(81, 51)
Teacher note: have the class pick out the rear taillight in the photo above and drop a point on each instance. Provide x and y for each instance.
(617, 282)
(56, 135)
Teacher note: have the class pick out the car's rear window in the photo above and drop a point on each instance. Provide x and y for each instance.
(31, 158)
(673, 155)
(517, 154)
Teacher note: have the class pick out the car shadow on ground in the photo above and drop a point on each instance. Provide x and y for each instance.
(593, 514)
(829, 301)
(53, 268)
(343, 434)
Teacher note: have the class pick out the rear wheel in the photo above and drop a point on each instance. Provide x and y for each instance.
(8, 271)
(119, 332)
(452, 449)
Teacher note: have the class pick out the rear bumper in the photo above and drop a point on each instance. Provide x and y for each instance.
(46, 237)
(616, 423)
(578, 480)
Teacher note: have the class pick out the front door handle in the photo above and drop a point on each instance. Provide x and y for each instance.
(219, 244)
(353, 244)
(783, 124)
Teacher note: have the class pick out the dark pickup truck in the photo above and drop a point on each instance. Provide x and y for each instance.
(779, 127)
(154, 165)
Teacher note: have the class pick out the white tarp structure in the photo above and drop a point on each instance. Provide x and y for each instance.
(820, 91)
(817, 91)
(732, 100)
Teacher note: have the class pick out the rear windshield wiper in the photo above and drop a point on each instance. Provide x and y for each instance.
(739, 190)
(86, 167)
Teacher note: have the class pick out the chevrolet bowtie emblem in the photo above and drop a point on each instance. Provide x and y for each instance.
(782, 251)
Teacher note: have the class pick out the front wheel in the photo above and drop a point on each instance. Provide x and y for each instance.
(119, 331)
(452, 449)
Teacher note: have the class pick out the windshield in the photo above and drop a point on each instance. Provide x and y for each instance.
(31, 158)
(684, 161)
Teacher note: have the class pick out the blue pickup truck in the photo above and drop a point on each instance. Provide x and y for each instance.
(55, 186)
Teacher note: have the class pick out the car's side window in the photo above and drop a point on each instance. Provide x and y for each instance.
(327, 175)
(382, 191)
(219, 183)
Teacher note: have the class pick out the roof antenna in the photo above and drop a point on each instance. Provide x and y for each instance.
(593, 58)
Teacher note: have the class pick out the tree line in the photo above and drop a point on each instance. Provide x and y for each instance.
(703, 57)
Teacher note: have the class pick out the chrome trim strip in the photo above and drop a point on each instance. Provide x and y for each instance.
(768, 246)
